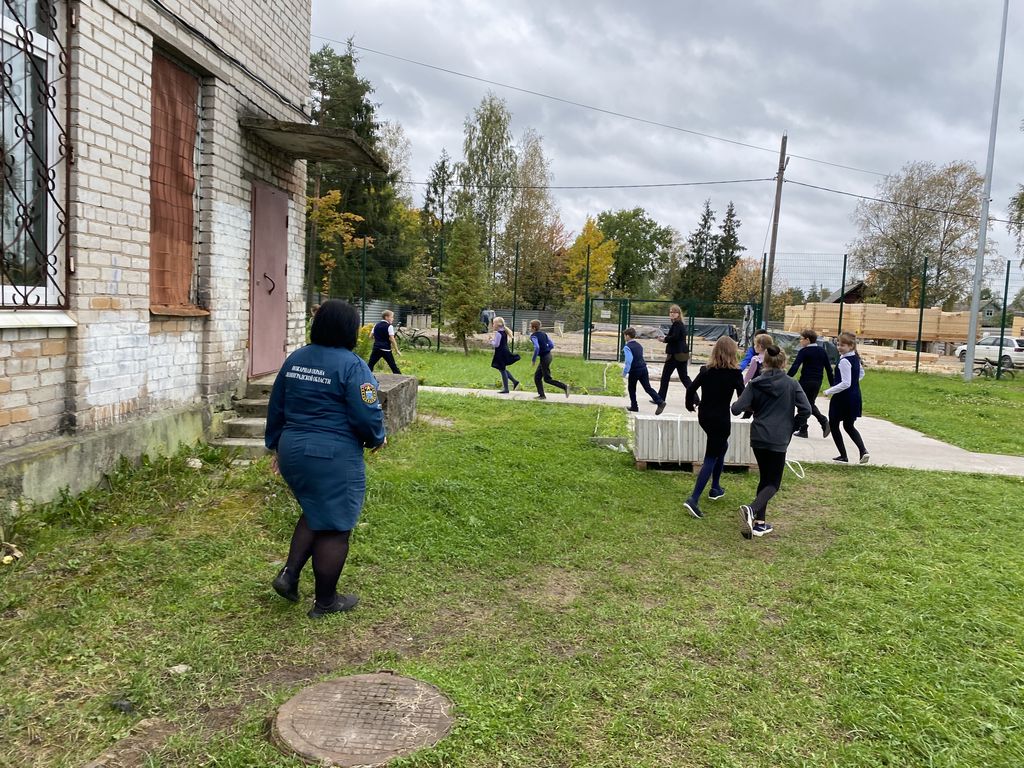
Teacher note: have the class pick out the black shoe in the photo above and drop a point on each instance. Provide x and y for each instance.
(801, 433)
(762, 528)
(633, 409)
(515, 385)
(285, 586)
(826, 430)
(541, 397)
(660, 408)
(341, 603)
(691, 506)
(841, 460)
(567, 390)
(716, 493)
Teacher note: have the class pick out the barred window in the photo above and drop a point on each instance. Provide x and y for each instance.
(33, 267)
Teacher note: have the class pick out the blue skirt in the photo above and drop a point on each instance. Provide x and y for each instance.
(327, 474)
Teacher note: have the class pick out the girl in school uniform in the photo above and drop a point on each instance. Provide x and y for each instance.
(845, 407)
(717, 381)
(780, 407)
(502, 356)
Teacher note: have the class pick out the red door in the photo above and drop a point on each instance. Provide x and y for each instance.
(268, 293)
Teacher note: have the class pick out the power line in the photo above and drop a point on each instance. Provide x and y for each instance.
(581, 105)
(894, 202)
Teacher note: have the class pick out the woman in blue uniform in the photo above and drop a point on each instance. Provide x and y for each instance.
(323, 412)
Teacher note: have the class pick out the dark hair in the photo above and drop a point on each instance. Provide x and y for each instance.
(631, 332)
(336, 324)
(760, 331)
(810, 335)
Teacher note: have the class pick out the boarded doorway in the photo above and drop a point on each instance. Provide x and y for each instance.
(268, 292)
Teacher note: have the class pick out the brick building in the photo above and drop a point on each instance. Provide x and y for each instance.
(153, 222)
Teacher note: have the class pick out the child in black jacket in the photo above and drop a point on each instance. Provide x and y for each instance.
(815, 363)
(717, 382)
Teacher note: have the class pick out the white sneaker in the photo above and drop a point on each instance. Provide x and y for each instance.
(865, 458)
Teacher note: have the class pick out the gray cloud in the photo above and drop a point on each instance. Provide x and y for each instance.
(873, 84)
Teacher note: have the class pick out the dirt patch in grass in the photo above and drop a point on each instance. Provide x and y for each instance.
(147, 736)
(554, 588)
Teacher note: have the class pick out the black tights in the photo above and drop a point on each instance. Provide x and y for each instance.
(834, 420)
(329, 549)
(770, 465)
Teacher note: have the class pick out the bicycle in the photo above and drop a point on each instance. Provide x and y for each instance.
(412, 337)
(989, 371)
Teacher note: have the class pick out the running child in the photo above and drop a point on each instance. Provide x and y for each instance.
(542, 346)
(780, 407)
(384, 343)
(717, 381)
(635, 371)
(503, 357)
(814, 363)
(845, 407)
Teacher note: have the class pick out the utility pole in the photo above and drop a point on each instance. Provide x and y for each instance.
(769, 272)
(979, 265)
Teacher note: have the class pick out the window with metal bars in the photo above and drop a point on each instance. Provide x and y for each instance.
(33, 145)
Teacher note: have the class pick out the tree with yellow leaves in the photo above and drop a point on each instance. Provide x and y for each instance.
(602, 259)
(334, 228)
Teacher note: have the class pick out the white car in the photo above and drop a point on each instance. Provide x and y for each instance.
(987, 348)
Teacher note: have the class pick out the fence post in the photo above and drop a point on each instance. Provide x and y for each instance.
(1002, 323)
(920, 316)
(362, 288)
(440, 288)
(515, 298)
(842, 297)
(586, 309)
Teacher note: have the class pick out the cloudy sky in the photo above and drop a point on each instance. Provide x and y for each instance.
(870, 85)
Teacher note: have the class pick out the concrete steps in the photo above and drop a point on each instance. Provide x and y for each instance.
(245, 433)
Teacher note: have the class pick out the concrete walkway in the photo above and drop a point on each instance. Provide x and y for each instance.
(890, 445)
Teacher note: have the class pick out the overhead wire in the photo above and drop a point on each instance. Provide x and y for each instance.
(894, 202)
(592, 108)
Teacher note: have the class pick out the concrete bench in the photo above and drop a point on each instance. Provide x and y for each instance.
(678, 439)
(397, 394)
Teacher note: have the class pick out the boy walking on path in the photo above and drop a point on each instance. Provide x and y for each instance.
(384, 343)
(635, 369)
(542, 347)
(814, 361)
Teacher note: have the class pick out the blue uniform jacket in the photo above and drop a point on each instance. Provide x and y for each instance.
(323, 411)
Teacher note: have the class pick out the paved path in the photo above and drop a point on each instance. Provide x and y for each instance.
(890, 445)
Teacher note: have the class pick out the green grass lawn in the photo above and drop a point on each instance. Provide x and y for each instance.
(560, 597)
(982, 415)
(452, 368)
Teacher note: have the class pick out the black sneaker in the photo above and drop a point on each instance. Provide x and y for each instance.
(762, 528)
(716, 493)
(826, 430)
(541, 397)
(801, 433)
(285, 586)
(841, 460)
(660, 408)
(633, 409)
(515, 385)
(746, 521)
(341, 603)
(567, 390)
(691, 506)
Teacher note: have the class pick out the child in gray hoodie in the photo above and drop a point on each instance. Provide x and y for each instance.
(780, 408)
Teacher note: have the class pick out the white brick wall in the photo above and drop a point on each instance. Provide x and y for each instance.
(120, 362)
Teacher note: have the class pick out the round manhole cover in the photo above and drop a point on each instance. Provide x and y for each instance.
(363, 719)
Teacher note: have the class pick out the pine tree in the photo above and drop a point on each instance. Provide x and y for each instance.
(697, 279)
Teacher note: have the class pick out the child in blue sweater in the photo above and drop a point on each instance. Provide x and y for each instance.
(635, 371)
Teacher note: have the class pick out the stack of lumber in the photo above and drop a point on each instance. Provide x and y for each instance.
(877, 321)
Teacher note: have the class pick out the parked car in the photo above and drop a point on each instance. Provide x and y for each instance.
(987, 348)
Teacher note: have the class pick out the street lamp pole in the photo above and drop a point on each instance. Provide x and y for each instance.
(979, 262)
